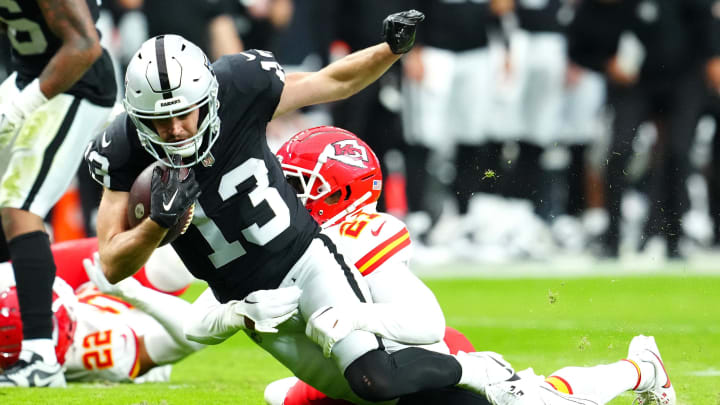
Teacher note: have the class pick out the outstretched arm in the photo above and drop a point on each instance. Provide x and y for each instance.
(164, 347)
(408, 314)
(339, 80)
(210, 322)
(349, 75)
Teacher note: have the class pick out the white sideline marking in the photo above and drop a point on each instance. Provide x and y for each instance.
(461, 322)
(570, 266)
(711, 372)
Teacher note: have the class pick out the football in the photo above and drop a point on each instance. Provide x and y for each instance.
(139, 203)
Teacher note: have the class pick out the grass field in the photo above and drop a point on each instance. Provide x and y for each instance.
(540, 323)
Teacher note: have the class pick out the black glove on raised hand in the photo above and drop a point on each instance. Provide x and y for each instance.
(399, 30)
(171, 197)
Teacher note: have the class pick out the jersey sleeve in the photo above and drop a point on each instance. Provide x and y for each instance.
(254, 75)
(108, 155)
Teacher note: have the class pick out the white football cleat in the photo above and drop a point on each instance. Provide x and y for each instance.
(659, 390)
(33, 372)
(481, 369)
(527, 388)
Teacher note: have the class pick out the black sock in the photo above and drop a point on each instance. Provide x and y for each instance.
(4, 249)
(34, 270)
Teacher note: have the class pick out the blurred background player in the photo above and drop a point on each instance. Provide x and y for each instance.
(213, 27)
(60, 92)
(103, 332)
(446, 96)
(654, 55)
(528, 101)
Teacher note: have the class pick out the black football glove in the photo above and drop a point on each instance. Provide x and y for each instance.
(170, 198)
(399, 30)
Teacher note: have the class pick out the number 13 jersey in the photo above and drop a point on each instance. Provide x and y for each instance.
(249, 227)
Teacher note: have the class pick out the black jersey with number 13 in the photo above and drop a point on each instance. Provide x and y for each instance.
(249, 227)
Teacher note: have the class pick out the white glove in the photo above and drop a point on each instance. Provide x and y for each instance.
(263, 310)
(126, 288)
(14, 111)
(329, 325)
(11, 120)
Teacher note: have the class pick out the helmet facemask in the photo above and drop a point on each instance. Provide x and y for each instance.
(170, 77)
(309, 184)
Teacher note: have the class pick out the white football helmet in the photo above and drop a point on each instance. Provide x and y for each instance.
(170, 76)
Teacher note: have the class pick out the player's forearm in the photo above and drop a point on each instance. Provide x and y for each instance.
(224, 39)
(356, 71)
(124, 253)
(68, 66)
(168, 310)
(403, 323)
(170, 344)
(209, 322)
(71, 21)
(410, 314)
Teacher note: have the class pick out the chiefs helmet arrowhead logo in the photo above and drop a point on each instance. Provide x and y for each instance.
(348, 151)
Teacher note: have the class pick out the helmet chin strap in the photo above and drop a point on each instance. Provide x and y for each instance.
(350, 209)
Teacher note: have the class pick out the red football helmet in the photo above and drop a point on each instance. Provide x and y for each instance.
(11, 334)
(334, 172)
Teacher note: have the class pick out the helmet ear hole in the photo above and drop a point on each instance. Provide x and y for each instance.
(334, 198)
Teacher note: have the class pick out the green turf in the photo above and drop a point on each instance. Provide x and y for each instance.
(543, 323)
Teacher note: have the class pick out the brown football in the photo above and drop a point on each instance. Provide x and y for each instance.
(139, 203)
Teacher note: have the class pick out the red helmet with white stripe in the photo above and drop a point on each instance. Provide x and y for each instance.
(11, 334)
(334, 172)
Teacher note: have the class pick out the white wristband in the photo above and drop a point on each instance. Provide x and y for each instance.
(30, 98)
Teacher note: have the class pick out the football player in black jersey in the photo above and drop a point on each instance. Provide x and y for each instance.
(61, 90)
(250, 235)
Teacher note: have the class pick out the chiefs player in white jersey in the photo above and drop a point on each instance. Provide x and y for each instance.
(338, 179)
(127, 336)
(381, 256)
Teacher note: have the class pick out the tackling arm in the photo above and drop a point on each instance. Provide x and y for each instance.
(403, 309)
(409, 314)
(211, 322)
(164, 347)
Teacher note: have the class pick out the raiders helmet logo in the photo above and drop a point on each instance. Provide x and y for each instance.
(349, 152)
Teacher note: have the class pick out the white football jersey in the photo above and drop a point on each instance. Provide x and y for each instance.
(105, 346)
